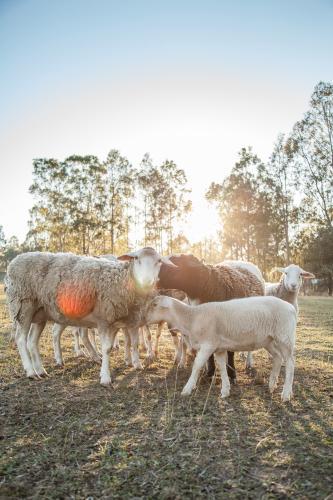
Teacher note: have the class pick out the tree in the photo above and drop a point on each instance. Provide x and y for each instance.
(314, 250)
(311, 144)
(119, 186)
(278, 179)
(163, 195)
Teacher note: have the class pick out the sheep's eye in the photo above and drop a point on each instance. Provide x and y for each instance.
(136, 257)
(159, 261)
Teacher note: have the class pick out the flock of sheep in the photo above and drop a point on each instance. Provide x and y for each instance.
(213, 311)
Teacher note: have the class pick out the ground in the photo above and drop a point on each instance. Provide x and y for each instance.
(68, 437)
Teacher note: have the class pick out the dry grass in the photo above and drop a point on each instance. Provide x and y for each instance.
(67, 437)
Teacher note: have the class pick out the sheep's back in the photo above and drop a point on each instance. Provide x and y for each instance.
(226, 283)
(40, 277)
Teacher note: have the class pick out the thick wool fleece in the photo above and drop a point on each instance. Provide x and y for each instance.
(65, 287)
(279, 290)
(208, 283)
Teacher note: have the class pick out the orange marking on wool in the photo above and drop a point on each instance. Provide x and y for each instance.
(75, 301)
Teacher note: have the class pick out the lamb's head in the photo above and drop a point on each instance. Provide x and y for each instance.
(158, 308)
(184, 276)
(292, 277)
(146, 264)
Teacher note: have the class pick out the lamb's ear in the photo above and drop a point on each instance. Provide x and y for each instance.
(280, 269)
(168, 262)
(306, 274)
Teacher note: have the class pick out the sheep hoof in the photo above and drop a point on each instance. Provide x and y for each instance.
(80, 354)
(43, 374)
(106, 382)
(233, 381)
(138, 366)
(33, 376)
(186, 393)
(251, 370)
(148, 360)
(225, 394)
(285, 396)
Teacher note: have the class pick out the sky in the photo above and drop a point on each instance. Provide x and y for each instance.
(190, 81)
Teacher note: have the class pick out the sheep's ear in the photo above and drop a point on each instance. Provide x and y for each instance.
(168, 262)
(127, 256)
(280, 269)
(306, 274)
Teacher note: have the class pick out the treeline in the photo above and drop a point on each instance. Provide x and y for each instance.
(270, 213)
(89, 206)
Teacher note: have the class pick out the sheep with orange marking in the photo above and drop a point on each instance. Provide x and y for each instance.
(78, 291)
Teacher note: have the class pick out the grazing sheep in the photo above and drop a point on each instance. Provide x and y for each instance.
(78, 291)
(237, 325)
(206, 283)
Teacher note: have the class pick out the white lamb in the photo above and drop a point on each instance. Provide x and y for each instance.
(237, 325)
(78, 291)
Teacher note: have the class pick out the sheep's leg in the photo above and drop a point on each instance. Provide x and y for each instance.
(21, 335)
(199, 362)
(249, 365)
(141, 340)
(149, 347)
(87, 344)
(33, 346)
(178, 345)
(116, 344)
(134, 336)
(92, 338)
(157, 339)
(231, 367)
(77, 347)
(107, 336)
(276, 354)
(128, 357)
(56, 336)
(182, 352)
(210, 367)
(221, 360)
(274, 376)
(289, 378)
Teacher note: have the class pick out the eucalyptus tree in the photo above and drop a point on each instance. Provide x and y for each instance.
(311, 144)
(118, 194)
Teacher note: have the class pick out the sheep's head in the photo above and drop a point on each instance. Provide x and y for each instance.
(146, 264)
(184, 276)
(292, 276)
(157, 309)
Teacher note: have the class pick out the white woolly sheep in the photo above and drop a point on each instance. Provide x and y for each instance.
(79, 333)
(77, 291)
(236, 325)
(288, 287)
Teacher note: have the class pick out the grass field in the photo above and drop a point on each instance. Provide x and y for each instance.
(68, 437)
